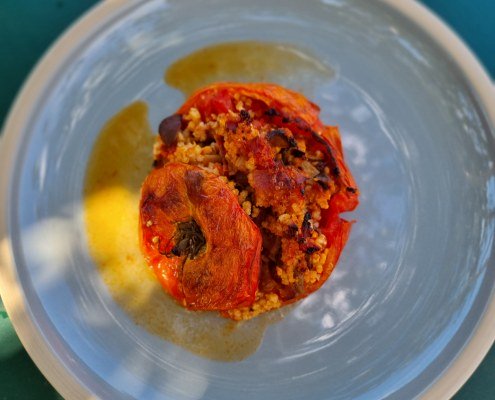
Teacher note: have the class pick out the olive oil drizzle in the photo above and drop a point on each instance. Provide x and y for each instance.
(248, 61)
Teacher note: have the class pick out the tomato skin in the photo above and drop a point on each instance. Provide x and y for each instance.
(219, 97)
(277, 187)
(224, 275)
(208, 103)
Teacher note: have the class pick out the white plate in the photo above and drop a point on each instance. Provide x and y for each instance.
(410, 309)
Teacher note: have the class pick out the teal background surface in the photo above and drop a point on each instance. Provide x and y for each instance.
(29, 27)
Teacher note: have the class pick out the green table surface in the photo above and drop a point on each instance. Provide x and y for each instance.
(28, 27)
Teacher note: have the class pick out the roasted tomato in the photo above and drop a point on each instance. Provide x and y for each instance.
(203, 247)
(285, 109)
(288, 185)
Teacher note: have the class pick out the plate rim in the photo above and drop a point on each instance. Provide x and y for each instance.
(50, 365)
(482, 338)
(64, 380)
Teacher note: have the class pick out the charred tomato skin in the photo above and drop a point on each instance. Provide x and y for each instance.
(224, 274)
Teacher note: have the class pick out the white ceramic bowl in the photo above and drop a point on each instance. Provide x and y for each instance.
(409, 311)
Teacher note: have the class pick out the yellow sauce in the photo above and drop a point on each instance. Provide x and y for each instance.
(121, 159)
(249, 61)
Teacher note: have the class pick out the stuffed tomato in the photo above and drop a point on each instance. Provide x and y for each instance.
(241, 213)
